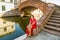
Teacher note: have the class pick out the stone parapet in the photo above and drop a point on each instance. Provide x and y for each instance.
(13, 12)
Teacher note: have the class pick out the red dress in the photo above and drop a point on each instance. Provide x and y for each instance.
(27, 32)
(33, 26)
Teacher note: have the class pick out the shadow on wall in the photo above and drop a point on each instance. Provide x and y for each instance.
(13, 12)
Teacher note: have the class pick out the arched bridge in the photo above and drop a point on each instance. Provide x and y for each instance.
(46, 10)
(34, 3)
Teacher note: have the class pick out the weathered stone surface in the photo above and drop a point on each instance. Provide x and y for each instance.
(44, 36)
(14, 12)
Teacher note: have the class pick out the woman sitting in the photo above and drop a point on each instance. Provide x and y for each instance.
(33, 24)
(31, 28)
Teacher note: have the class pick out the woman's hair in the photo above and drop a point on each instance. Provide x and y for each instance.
(32, 16)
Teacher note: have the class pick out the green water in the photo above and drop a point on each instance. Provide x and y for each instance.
(22, 21)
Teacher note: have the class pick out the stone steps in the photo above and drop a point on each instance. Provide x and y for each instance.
(53, 24)
(56, 13)
(55, 18)
(54, 21)
(53, 27)
(52, 32)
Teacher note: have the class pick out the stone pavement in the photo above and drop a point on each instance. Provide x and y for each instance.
(44, 36)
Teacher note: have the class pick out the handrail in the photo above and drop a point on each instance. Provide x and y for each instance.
(42, 21)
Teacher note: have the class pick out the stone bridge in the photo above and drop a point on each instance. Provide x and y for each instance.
(45, 8)
(34, 3)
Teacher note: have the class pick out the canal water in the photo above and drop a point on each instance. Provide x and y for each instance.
(20, 25)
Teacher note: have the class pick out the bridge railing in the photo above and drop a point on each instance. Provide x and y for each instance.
(42, 21)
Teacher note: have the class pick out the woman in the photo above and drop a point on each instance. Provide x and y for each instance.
(31, 28)
(33, 24)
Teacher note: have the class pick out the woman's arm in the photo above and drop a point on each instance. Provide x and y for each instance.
(33, 23)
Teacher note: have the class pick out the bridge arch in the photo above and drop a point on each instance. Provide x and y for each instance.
(35, 5)
(38, 4)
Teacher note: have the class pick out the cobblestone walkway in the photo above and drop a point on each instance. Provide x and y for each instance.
(44, 36)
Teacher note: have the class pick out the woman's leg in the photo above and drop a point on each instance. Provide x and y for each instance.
(30, 32)
(38, 29)
(34, 31)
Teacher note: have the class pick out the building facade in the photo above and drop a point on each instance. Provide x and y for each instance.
(6, 5)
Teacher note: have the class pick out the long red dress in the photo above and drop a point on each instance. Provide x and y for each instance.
(33, 21)
(33, 26)
(28, 31)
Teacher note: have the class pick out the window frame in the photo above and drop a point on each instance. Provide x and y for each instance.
(11, 1)
(3, 8)
(3, 0)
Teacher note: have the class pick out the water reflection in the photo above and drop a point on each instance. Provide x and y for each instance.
(18, 32)
(20, 25)
(22, 21)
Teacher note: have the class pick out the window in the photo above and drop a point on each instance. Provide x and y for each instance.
(3, 8)
(12, 26)
(3, 0)
(11, 0)
(5, 29)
